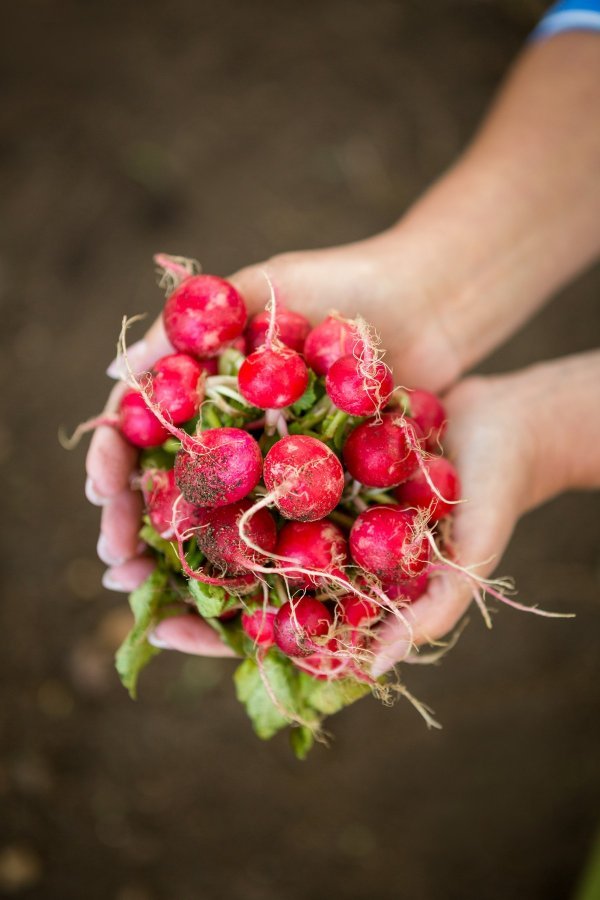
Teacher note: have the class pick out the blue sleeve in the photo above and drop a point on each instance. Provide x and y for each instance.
(569, 15)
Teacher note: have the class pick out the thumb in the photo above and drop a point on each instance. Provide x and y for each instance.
(144, 353)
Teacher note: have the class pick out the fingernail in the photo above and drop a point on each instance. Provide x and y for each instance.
(158, 642)
(92, 494)
(111, 583)
(136, 356)
(106, 555)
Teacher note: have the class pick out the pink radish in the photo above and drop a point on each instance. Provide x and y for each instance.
(313, 545)
(384, 453)
(358, 611)
(160, 495)
(298, 623)
(203, 315)
(176, 386)
(273, 377)
(417, 492)
(389, 542)
(219, 538)
(325, 666)
(218, 466)
(360, 387)
(305, 477)
(137, 423)
(332, 338)
(292, 329)
(259, 625)
(408, 589)
(428, 412)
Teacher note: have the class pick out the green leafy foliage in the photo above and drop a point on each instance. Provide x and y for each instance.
(301, 740)
(210, 599)
(162, 547)
(328, 697)
(284, 695)
(150, 605)
(308, 398)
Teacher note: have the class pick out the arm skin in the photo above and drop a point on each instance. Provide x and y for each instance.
(507, 226)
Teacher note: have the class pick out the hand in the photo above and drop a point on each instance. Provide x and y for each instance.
(512, 439)
(349, 279)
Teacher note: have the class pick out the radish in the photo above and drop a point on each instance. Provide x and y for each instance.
(218, 466)
(358, 611)
(389, 542)
(297, 623)
(176, 386)
(259, 625)
(383, 453)
(418, 492)
(428, 412)
(359, 386)
(408, 589)
(136, 422)
(305, 477)
(332, 338)
(313, 545)
(219, 538)
(203, 315)
(292, 329)
(325, 666)
(273, 377)
(160, 495)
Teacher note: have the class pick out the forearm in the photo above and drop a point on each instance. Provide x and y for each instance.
(519, 215)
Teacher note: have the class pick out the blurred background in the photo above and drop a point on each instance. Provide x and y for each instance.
(230, 132)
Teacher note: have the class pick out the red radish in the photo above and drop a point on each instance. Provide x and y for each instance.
(418, 492)
(176, 386)
(325, 666)
(332, 338)
(218, 467)
(273, 377)
(137, 423)
(383, 453)
(160, 494)
(313, 545)
(259, 625)
(218, 536)
(203, 314)
(306, 477)
(292, 329)
(358, 611)
(429, 414)
(211, 364)
(358, 386)
(407, 589)
(297, 623)
(389, 542)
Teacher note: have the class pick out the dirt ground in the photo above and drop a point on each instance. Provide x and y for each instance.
(230, 132)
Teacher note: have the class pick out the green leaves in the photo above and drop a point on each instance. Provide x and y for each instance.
(276, 693)
(149, 604)
(308, 398)
(210, 599)
(257, 693)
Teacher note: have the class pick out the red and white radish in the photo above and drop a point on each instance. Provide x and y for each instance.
(390, 543)
(304, 476)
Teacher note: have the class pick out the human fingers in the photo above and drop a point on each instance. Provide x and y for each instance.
(189, 634)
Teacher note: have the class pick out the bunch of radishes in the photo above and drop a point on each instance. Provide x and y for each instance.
(292, 493)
